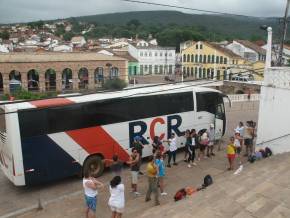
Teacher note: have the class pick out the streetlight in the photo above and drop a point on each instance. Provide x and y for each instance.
(269, 45)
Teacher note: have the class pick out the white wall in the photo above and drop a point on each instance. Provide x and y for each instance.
(274, 117)
(243, 51)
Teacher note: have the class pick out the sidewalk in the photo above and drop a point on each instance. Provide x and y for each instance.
(177, 177)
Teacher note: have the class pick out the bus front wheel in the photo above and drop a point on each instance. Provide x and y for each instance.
(94, 164)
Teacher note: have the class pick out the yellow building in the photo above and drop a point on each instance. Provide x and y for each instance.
(205, 60)
(258, 70)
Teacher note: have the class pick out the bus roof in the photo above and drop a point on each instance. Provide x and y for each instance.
(134, 92)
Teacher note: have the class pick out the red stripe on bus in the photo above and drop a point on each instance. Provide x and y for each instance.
(97, 140)
(51, 102)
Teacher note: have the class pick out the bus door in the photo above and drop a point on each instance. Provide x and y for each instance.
(220, 118)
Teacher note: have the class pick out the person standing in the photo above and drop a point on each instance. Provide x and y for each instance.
(116, 166)
(211, 138)
(194, 143)
(241, 129)
(152, 173)
(91, 186)
(172, 150)
(161, 171)
(188, 147)
(135, 167)
(138, 145)
(231, 153)
(117, 198)
(248, 136)
(157, 146)
(237, 144)
(186, 135)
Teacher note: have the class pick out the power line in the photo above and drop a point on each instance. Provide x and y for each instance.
(186, 8)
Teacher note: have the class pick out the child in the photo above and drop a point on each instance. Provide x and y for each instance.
(203, 145)
(231, 153)
(237, 144)
(117, 198)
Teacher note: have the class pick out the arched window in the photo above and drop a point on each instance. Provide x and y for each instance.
(150, 69)
(204, 73)
(161, 69)
(225, 74)
(50, 80)
(200, 73)
(212, 73)
(196, 58)
(225, 61)
(191, 72)
(83, 78)
(200, 58)
(217, 59)
(67, 79)
(114, 72)
(188, 58)
(218, 75)
(208, 73)
(195, 72)
(32, 80)
(192, 58)
(184, 70)
(99, 75)
(156, 69)
(184, 58)
(188, 72)
(208, 59)
(221, 59)
(212, 59)
(14, 80)
(204, 59)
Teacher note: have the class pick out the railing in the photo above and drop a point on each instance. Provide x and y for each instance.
(244, 97)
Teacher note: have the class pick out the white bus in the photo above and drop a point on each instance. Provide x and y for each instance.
(46, 140)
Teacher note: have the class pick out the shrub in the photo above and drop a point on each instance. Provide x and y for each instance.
(115, 84)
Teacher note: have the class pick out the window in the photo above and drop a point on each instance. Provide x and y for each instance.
(200, 58)
(188, 58)
(200, 73)
(225, 61)
(200, 46)
(146, 68)
(191, 72)
(170, 69)
(187, 72)
(150, 69)
(156, 54)
(207, 101)
(208, 59)
(212, 59)
(217, 59)
(192, 58)
(99, 75)
(141, 54)
(204, 73)
(196, 46)
(114, 72)
(218, 75)
(221, 59)
(141, 69)
(184, 58)
(35, 122)
(150, 54)
(161, 69)
(170, 54)
(196, 58)
(161, 54)
(145, 54)
(204, 59)
(156, 69)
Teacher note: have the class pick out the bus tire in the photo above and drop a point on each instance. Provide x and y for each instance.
(94, 162)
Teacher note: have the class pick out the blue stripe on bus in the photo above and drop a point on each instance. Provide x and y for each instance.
(49, 161)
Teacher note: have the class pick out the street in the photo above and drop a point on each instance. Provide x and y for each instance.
(14, 199)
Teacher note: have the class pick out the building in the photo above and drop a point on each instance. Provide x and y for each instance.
(56, 71)
(248, 50)
(78, 41)
(204, 60)
(152, 59)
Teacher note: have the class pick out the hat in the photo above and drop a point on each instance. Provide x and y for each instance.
(237, 132)
(211, 125)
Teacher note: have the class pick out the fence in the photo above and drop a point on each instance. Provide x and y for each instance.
(244, 97)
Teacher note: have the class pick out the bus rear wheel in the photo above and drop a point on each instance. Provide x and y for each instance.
(94, 164)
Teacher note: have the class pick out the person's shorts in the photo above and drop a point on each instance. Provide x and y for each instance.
(117, 209)
(91, 202)
(134, 175)
(202, 147)
(231, 156)
(238, 150)
(248, 142)
(160, 179)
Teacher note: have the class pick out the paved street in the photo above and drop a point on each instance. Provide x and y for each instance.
(17, 198)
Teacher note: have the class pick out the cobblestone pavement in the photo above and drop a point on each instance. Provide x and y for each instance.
(65, 198)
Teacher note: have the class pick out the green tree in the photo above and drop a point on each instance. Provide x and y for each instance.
(115, 84)
(68, 36)
(5, 35)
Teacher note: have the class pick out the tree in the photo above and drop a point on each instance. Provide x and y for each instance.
(68, 36)
(5, 35)
(115, 84)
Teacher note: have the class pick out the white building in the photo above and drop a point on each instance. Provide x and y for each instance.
(247, 50)
(153, 59)
(78, 41)
(62, 48)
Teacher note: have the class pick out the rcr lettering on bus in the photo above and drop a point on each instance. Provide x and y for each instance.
(139, 128)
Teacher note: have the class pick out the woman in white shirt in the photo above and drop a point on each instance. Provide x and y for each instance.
(91, 185)
(117, 198)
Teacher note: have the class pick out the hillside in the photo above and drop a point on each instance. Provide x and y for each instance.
(235, 27)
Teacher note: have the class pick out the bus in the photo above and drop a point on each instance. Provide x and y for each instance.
(50, 139)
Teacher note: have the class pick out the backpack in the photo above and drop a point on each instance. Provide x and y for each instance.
(268, 152)
(180, 194)
(252, 158)
(207, 181)
(263, 153)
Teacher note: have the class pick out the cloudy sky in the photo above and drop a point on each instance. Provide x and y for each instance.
(29, 10)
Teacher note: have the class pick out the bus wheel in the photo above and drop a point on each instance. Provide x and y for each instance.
(95, 164)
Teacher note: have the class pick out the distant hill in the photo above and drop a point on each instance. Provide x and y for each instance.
(237, 27)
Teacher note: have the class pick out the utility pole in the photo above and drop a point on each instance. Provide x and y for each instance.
(285, 24)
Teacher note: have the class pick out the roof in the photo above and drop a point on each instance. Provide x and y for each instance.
(126, 55)
(56, 57)
(223, 50)
(252, 46)
(156, 47)
(77, 38)
(173, 88)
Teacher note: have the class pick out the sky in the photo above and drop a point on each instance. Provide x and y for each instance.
(12, 11)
